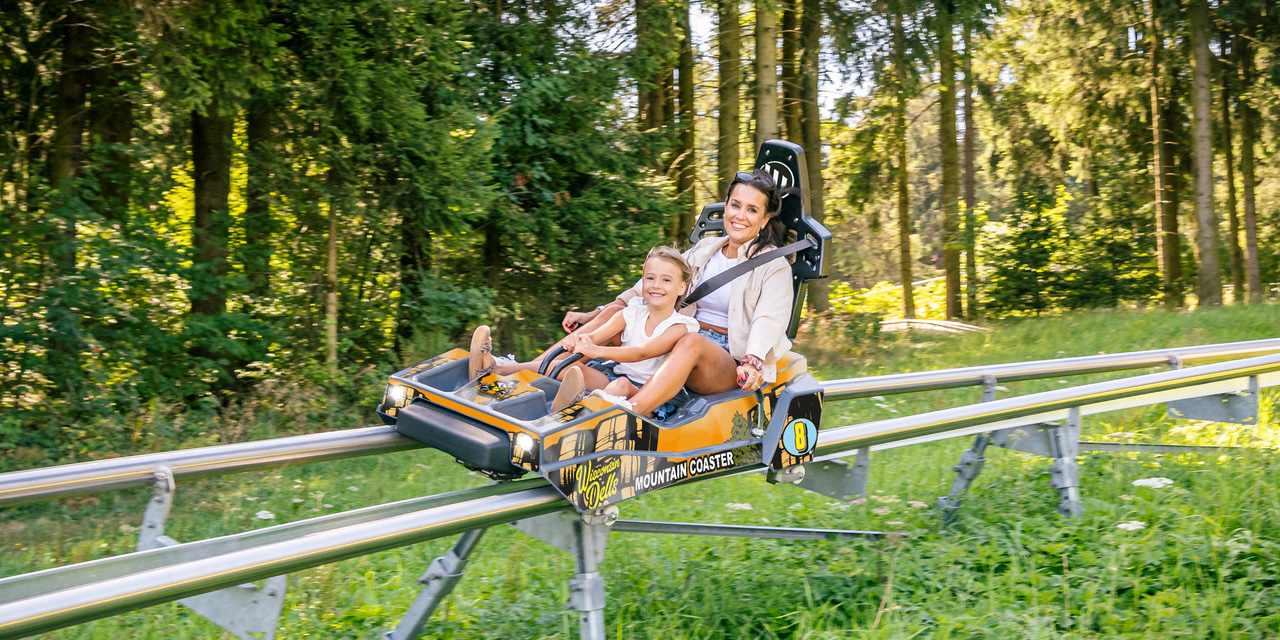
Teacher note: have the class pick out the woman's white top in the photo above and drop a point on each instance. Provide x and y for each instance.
(636, 315)
(713, 308)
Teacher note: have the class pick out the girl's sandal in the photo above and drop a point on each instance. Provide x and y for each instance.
(571, 390)
(481, 348)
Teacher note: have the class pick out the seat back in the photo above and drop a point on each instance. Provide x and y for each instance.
(786, 163)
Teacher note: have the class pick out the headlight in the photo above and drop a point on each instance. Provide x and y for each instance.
(524, 441)
(395, 394)
(524, 451)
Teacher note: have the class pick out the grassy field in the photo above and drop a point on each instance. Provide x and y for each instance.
(1198, 558)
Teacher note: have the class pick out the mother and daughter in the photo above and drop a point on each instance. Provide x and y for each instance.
(731, 337)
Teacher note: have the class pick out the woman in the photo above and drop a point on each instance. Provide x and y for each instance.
(743, 324)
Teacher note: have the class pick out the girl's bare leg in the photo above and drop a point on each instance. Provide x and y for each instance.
(697, 362)
(622, 387)
(591, 378)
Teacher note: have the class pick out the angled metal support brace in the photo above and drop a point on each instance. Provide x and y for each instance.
(1240, 407)
(837, 478)
(971, 462)
(586, 543)
(247, 610)
(438, 581)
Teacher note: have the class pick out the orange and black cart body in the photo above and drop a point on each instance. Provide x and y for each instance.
(595, 453)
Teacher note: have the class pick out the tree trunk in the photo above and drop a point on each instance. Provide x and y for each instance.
(970, 183)
(951, 241)
(1233, 220)
(766, 72)
(111, 121)
(727, 158)
(645, 95)
(685, 158)
(211, 157)
(258, 224)
(1209, 275)
(415, 262)
(811, 124)
(331, 275)
(1244, 53)
(790, 71)
(903, 177)
(1165, 209)
(65, 159)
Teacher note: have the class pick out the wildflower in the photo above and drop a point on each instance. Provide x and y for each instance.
(1153, 483)
(265, 515)
(857, 501)
(882, 511)
(1063, 382)
(878, 398)
(917, 504)
(327, 505)
(1132, 525)
(251, 498)
(353, 488)
(297, 500)
(1126, 497)
(895, 523)
(737, 506)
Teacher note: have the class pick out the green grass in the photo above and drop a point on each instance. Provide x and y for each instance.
(1205, 564)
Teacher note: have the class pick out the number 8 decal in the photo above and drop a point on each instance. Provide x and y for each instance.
(799, 437)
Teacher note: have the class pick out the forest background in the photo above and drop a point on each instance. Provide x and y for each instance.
(213, 206)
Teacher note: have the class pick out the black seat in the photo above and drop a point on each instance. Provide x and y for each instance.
(785, 162)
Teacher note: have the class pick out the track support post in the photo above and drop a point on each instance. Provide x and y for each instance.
(586, 543)
(1064, 474)
(438, 581)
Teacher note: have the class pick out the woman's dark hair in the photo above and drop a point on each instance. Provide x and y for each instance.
(774, 232)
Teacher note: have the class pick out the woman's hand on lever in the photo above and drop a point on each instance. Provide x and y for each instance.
(750, 377)
(575, 319)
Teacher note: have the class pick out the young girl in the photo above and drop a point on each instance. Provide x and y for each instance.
(649, 327)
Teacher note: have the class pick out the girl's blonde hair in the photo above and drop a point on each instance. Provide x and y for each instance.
(670, 254)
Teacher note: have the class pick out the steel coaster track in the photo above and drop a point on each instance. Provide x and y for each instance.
(135, 471)
(64, 596)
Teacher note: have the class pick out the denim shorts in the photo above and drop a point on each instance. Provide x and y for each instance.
(607, 367)
(716, 337)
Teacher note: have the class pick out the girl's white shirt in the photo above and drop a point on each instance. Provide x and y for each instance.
(713, 308)
(636, 315)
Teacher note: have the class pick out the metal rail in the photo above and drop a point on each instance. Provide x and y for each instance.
(87, 477)
(970, 376)
(98, 599)
(91, 596)
(48, 483)
(1222, 377)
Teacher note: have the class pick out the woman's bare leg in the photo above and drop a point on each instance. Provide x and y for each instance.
(704, 366)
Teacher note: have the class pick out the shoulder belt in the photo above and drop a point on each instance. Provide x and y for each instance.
(730, 274)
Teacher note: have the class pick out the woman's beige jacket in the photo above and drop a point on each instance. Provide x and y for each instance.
(759, 304)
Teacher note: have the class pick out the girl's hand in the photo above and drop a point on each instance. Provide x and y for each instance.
(574, 319)
(749, 377)
(586, 347)
(568, 343)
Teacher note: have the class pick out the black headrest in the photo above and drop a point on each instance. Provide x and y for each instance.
(786, 163)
